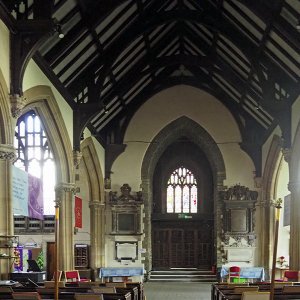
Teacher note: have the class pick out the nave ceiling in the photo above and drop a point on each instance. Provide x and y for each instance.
(116, 54)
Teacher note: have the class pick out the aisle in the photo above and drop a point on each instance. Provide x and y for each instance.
(177, 290)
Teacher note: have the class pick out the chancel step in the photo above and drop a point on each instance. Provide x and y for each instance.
(191, 275)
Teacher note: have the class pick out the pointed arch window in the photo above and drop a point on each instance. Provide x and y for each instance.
(182, 192)
(34, 155)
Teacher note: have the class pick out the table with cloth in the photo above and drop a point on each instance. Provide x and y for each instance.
(121, 272)
(249, 273)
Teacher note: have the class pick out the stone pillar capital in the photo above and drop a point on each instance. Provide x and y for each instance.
(96, 204)
(258, 182)
(65, 187)
(7, 152)
(17, 103)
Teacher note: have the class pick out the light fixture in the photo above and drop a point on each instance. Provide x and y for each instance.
(59, 31)
(298, 26)
(105, 109)
(257, 106)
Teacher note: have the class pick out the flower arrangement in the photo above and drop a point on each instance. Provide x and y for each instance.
(281, 260)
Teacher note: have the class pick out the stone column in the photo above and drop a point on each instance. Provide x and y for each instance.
(294, 188)
(64, 197)
(7, 156)
(147, 242)
(97, 231)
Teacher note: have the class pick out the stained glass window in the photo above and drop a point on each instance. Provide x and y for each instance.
(35, 156)
(182, 192)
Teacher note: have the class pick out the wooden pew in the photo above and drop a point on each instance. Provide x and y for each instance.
(278, 295)
(140, 287)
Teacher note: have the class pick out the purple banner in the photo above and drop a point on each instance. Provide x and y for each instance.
(35, 198)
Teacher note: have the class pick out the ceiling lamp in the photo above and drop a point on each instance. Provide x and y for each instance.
(59, 31)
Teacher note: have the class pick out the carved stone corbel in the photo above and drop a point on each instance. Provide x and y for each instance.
(17, 104)
(286, 152)
(77, 156)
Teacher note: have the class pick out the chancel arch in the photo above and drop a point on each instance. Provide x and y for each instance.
(183, 208)
(191, 131)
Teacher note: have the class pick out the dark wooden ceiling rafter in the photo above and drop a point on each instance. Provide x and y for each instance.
(176, 15)
(274, 70)
(174, 68)
(58, 52)
(269, 90)
(141, 11)
(283, 28)
(251, 66)
(134, 72)
(86, 16)
(121, 113)
(167, 38)
(76, 72)
(133, 106)
(231, 74)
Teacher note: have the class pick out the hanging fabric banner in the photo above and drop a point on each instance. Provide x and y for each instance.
(19, 191)
(35, 198)
(27, 194)
(78, 212)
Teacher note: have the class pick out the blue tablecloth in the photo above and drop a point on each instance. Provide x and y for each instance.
(120, 272)
(247, 272)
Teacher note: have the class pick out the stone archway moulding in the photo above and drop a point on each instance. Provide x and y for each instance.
(6, 124)
(41, 99)
(294, 187)
(265, 237)
(95, 180)
(188, 128)
(94, 170)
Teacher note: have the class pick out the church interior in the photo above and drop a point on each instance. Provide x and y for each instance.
(149, 141)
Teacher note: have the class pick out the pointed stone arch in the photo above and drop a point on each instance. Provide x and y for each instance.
(265, 236)
(188, 128)
(96, 187)
(6, 124)
(94, 170)
(294, 187)
(41, 99)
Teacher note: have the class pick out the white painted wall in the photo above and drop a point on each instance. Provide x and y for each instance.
(166, 107)
(34, 76)
(4, 53)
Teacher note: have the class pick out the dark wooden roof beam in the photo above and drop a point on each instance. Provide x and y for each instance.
(70, 41)
(280, 25)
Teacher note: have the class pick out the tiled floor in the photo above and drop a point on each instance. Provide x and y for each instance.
(177, 290)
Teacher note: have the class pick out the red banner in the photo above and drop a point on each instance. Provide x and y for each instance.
(78, 212)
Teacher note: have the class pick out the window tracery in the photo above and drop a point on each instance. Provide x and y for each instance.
(182, 192)
(34, 155)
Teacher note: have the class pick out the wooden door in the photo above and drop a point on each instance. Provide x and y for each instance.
(182, 246)
(50, 260)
